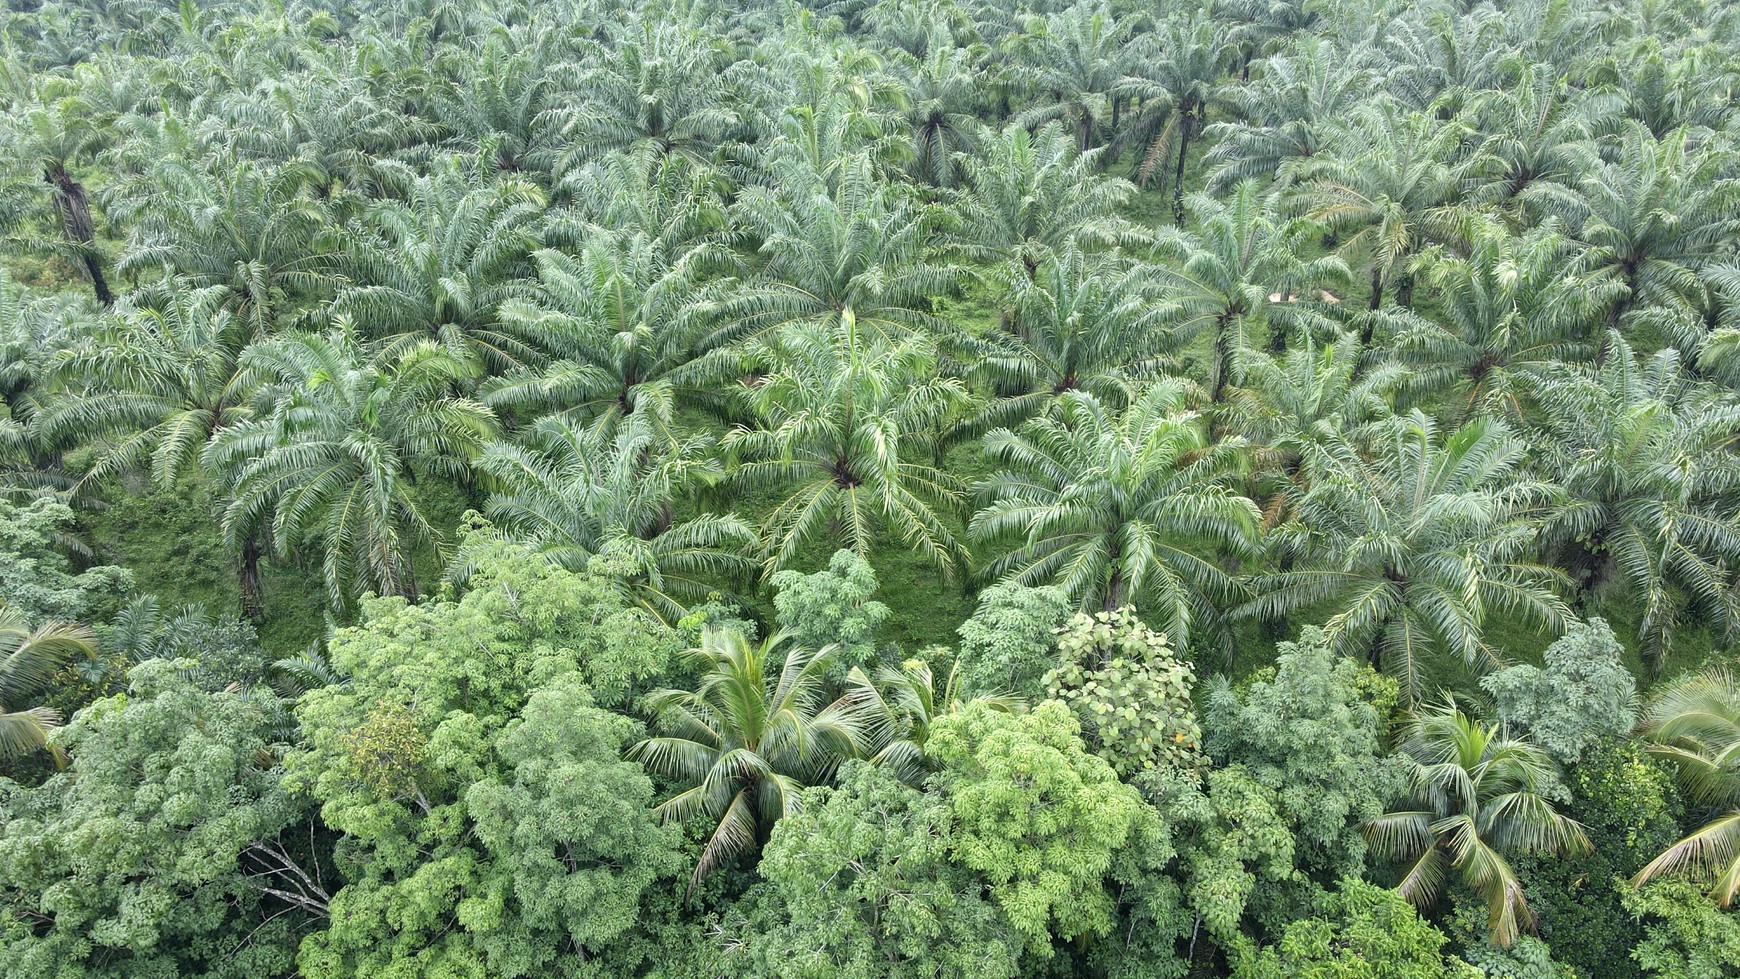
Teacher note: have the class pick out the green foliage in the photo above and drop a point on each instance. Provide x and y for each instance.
(1314, 732)
(1130, 693)
(1582, 697)
(489, 825)
(1684, 934)
(832, 607)
(859, 883)
(1038, 816)
(29, 658)
(36, 576)
(1009, 643)
(1363, 932)
(172, 846)
(1693, 724)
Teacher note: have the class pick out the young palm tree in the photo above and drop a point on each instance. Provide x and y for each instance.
(753, 734)
(1477, 796)
(438, 265)
(1131, 508)
(1511, 308)
(846, 428)
(1646, 459)
(901, 703)
(151, 387)
(1415, 545)
(330, 458)
(1694, 724)
(1240, 281)
(1076, 324)
(28, 660)
(572, 492)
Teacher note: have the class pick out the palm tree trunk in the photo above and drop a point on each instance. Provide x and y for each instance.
(253, 595)
(1377, 296)
(74, 208)
(1178, 175)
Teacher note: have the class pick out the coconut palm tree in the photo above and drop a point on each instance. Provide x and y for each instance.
(1646, 458)
(1511, 308)
(1239, 281)
(330, 458)
(29, 658)
(1121, 508)
(151, 387)
(1076, 324)
(744, 744)
(1414, 543)
(573, 492)
(1478, 797)
(845, 429)
(1694, 725)
(437, 266)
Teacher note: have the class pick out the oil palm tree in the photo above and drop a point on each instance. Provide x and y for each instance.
(1414, 544)
(59, 132)
(1073, 62)
(622, 323)
(29, 658)
(573, 492)
(330, 458)
(845, 429)
(1238, 280)
(1536, 129)
(942, 90)
(1075, 324)
(1030, 194)
(1694, 725)
(754, 733)
(656, 88)
(1646, 458)
(437, 266)
(151, 387)
(900, 703)
(1176, 81)
(1510, 308)
(1478, 797)
(1120, 508)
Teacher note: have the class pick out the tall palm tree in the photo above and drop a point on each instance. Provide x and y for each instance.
(439, 264)
(1477, 797)
(845, 428)
(1510, 309)
(859, 248)
(1646, 459)
(572, 492)
(1073, 62)
(1389, 184)
(1239, 280)
(1076, 324)
(28, 661)
(330, 457)
(1414, 544)
(1121, 508)
(1655, 214)
(622, 322)
(1030, 194)
(1287, 113)
(59, 132)
(744, 744)
(1694, 724)
(1176, 81)
(152, 386)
